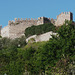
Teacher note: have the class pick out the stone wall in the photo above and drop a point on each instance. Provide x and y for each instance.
(19, 21)
(19, 29)
(5, 32)
(16, 29)
(42, 37)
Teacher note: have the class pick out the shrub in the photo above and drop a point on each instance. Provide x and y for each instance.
(40, 29)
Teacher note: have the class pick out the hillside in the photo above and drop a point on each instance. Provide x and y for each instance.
(53, 57)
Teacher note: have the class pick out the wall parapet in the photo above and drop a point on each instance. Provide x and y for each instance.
(40, 20)
(21, 20)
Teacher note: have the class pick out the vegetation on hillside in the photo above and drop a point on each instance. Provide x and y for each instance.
(0, 36)
(40, 29)
(54, 57)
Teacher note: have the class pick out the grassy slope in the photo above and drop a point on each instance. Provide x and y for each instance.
(35, 45)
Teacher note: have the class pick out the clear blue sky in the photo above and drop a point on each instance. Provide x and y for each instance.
(10, 9)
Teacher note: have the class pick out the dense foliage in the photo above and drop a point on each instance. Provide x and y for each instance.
(54, 57)
(40, 29)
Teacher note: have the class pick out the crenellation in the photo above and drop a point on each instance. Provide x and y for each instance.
(12, 22)
(18, 19)
(15, 20)
(9, 22)
(28, 19)
(31, 19)
(62, 13)
(23, 18)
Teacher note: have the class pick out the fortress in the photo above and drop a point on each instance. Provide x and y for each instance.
(15, 29)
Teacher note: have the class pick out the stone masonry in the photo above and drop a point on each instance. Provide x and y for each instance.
(62, 17)
(15, 29)
(43, 37)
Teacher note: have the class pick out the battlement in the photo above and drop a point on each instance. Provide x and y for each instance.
(18, 20)
(40, 20)
(66, 14)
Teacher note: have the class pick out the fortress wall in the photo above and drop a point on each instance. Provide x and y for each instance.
(5, 31)
(42, 37)
(17, 27)
(18, 30)
(62, 17)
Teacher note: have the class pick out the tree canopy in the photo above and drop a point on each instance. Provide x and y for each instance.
(40, 29)
(56, 56)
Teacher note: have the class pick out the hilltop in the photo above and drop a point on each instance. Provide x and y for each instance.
(15, 29)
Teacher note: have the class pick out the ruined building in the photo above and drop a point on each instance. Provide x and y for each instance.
(16, 28)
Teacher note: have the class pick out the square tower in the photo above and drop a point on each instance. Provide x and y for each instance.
(62, 17)
(43, 20)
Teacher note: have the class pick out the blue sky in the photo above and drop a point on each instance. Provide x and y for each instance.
(10, 9)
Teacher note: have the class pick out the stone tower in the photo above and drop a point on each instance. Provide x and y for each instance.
(62, 17)
(40, 20)
(43, 20)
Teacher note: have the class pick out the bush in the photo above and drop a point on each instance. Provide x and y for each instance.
(0, 36)
(40, 29)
